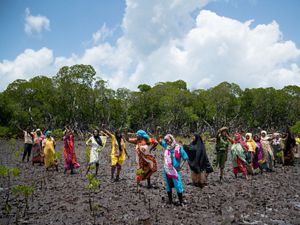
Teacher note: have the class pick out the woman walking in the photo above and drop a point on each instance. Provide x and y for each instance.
(28, 141)
(37, 149)
(268, 152)
(146, 162)
(238, 157)
(290, 145)
(222, 145)
(97, 144)
(118, 153)
(49, 151)
(174, 160)
(252, 162)
(198, 161)
(69, 152)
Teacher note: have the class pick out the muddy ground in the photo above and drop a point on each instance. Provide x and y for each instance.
(270, 198)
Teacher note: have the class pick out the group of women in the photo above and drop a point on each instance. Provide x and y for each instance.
(248, 154)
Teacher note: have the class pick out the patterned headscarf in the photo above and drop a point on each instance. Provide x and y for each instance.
(173, 145)
(238, 139)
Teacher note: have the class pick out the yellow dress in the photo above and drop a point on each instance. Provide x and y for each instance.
(117, 157)
(49, 152)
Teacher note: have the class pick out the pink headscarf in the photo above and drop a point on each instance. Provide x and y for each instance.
(238, 139)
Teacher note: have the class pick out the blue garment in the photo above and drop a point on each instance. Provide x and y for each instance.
(176, 183)
(143, 134)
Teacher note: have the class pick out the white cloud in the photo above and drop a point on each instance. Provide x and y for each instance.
(28, 64)
(102, 34)
(164, 42)
(35, 24)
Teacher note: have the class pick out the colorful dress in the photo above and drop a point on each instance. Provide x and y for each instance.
(260, 156)
(268, 152)
(146, 162)
(277, 147)
(238, 159)
(49, 152)
(251, 153)
(69, 153)
(94, 152)
(117, 156)
(172, 161)
(37, 149)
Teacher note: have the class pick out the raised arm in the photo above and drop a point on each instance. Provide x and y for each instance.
(88, 141)
(107, 133)
(130, 140)
(158, 135)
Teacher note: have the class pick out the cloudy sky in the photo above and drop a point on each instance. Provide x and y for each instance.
(254, 43)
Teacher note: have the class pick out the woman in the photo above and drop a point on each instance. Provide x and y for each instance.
(28, 141)
(278, 150)
(118, 153)
(37, 149)
(238, 157)
(268, 152)
(198, 161)
(69, 152)
(222, 144)
(174, 159)
(250, 153)
(290, 145)
(97, 144)
(49, 151)
(146, 162)
(259, 154)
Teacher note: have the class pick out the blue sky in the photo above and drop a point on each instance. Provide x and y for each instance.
(150, 41)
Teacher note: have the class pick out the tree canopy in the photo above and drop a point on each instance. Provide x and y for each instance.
(77, 97)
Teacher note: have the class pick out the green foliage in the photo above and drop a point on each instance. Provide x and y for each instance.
(296, 128)
(58, 155)
(6, 171)
(58, 133)
(5, 131)
(76, 96)
(94, 183)
(87, 153)
(139, 172)
(24, 190)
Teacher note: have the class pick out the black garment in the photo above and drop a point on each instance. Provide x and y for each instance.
(98, 140)
(118, 136)
(289, 143)
(27, 151)
(198, 160)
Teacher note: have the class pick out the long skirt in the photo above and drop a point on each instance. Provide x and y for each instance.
(199, 179)
(240, 168)
(147, 165)
(37, 153)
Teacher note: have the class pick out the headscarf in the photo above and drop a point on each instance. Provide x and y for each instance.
(275, 140)
(198, 160)
(250, 141)
(118, 136)
(264, 132)
(238, 139)
(168, 165)
(48, 133)
(98, 138)
(143, 134)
